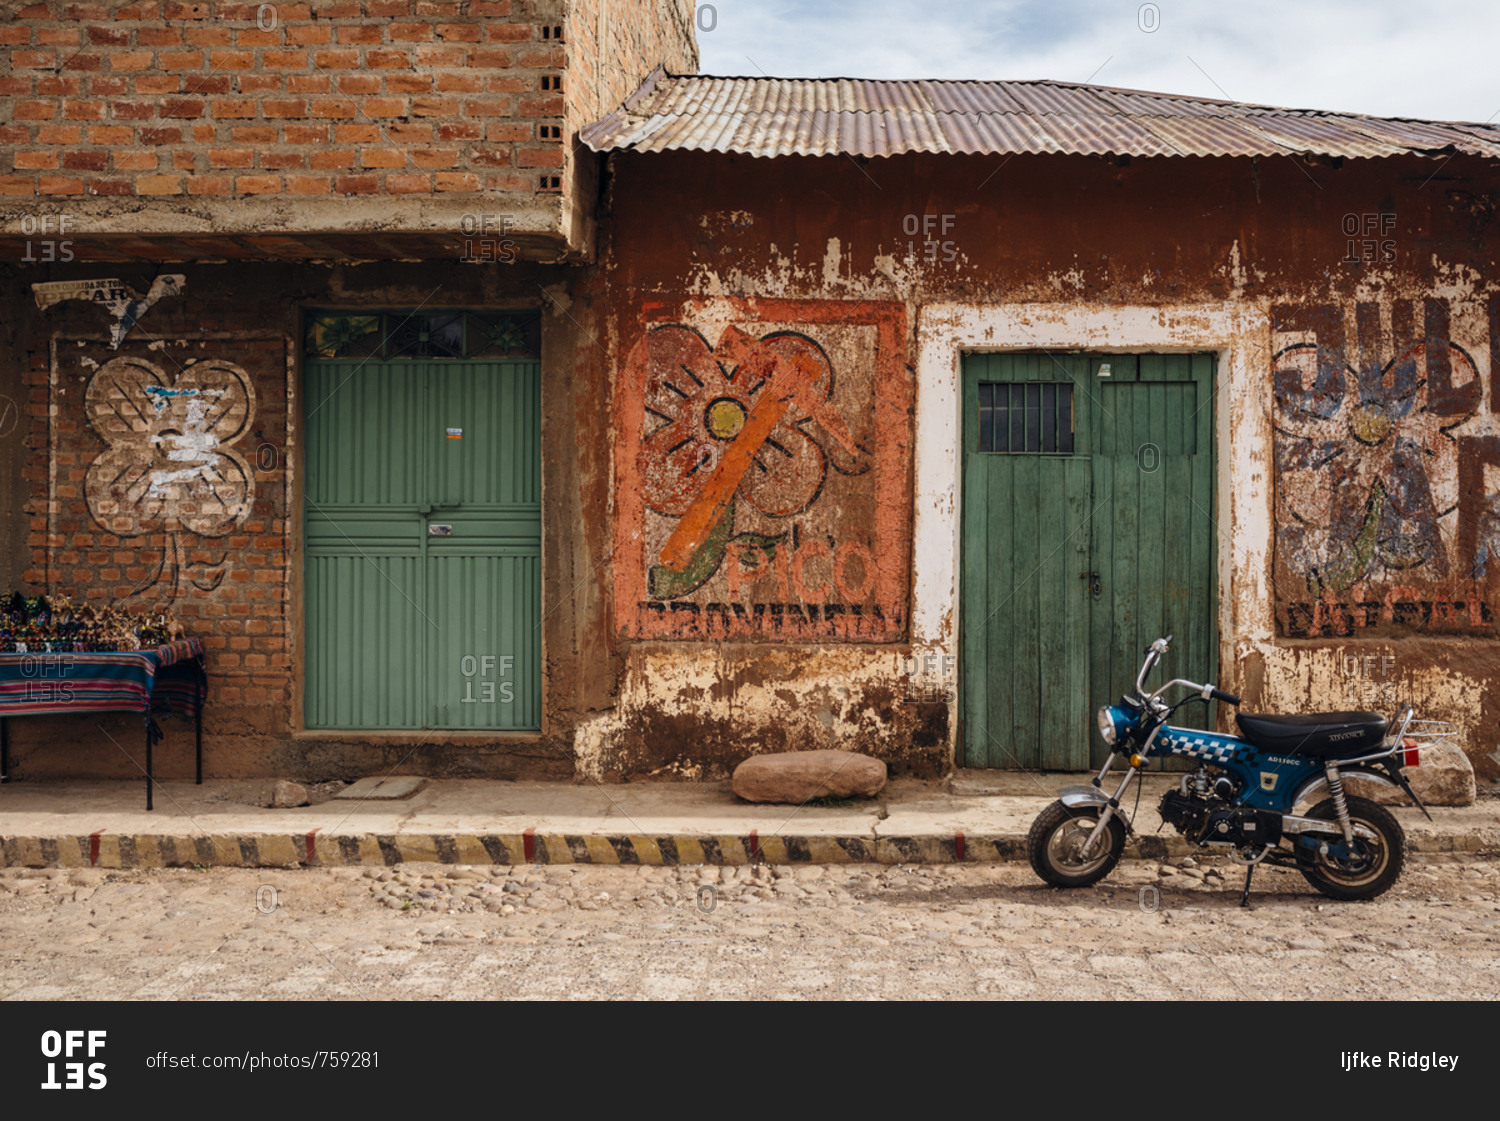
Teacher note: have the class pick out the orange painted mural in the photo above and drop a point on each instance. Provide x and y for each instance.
(764, 472)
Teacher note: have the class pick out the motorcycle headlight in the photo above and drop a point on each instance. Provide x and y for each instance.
(1107, 726)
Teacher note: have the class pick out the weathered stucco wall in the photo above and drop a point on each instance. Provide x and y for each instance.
(701, 604)
(1350, 307)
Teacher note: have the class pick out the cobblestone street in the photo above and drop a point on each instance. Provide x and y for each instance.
(578, 931)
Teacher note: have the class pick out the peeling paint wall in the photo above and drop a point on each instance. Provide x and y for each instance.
(1351, 311)
(1383, 516)
(694, 711)
(843, 294)
(763, 521)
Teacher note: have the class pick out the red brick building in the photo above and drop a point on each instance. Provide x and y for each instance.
(323, 176)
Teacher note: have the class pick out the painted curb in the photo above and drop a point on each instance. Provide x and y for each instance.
(281, 850)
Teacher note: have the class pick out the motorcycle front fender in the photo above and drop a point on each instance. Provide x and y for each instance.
(1083, 797)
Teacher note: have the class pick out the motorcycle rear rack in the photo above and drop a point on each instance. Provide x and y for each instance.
(1420, 733)
(1427, 733)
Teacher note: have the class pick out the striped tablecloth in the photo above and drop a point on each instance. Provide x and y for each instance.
(166, 679)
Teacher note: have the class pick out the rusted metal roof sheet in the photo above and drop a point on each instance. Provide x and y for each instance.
(857, 117)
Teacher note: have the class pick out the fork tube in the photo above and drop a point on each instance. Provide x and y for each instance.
(1107, 813)
(1104, 770)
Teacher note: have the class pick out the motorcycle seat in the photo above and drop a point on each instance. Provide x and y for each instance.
(1318, 735)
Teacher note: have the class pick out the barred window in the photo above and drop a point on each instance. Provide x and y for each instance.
(1026, 417)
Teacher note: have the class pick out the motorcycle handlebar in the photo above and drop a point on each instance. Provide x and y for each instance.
(1153, 655)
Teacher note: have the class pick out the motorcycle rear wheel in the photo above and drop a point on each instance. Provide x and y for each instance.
(1056, 838)
(1385, 856)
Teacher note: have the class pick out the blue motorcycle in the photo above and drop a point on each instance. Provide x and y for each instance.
(1239, 800)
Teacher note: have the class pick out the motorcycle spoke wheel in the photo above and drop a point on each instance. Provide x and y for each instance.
(1379, 860)
(1055, 846)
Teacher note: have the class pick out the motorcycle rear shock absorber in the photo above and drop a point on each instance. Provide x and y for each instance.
(1340, 803)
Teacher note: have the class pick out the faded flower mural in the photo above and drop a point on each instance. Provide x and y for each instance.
(760, 468)
(751, 436)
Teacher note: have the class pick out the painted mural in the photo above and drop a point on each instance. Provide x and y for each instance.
(169, 468)
(1385, 517)
(158, 454)
(763, 473)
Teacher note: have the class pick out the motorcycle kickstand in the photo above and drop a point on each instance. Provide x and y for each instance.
(1245, 898)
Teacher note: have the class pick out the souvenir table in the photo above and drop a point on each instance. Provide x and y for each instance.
(158, 680)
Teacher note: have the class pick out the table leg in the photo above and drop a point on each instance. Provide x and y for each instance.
(148, 763)
(198, 731)
(4, 749)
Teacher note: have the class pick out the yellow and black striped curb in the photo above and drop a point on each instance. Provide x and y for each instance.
(107, 850)
(103, 849)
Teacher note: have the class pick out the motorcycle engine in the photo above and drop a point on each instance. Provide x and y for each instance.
(1184, 812)
(1240, 827)
(1212, 821)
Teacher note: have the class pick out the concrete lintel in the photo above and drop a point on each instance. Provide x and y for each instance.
(285, 215)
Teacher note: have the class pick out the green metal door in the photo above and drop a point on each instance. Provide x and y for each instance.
(422, 531)
(1087, 531)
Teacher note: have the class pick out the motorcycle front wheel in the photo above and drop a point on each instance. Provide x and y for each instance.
(1055, 846)
(1378, 862)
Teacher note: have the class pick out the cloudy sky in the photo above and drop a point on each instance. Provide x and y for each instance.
(1383, 57)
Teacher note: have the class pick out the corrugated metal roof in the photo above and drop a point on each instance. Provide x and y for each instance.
(858, 117)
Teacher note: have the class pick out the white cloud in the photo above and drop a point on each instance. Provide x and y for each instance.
(1384, 57)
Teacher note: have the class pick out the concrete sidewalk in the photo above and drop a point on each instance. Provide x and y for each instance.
(970, 816)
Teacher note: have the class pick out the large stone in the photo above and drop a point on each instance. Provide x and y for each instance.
(800, 776)
(1445, 777)
(286, 794)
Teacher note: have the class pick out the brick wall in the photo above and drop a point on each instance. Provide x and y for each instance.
(612, 47)
(112, 512)
(164, 98)
(213, 548)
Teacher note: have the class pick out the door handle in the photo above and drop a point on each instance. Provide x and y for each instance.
(1094, 589)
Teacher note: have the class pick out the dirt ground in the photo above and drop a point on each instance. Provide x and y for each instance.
(847, 931)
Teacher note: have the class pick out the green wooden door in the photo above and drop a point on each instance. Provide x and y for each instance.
(1154, 534)
(422, 538)
(1087, 532)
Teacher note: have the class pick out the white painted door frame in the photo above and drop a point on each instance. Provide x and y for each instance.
(1238, 333)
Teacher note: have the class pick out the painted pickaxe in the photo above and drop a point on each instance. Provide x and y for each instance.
(787, 381)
